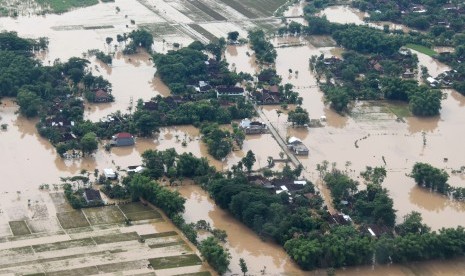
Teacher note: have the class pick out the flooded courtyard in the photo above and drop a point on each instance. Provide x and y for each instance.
(370, 136)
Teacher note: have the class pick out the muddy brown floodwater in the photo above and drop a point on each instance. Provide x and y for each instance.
(366, 137)
(242, 242)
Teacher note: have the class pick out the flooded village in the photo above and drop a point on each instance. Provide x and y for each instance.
(42, 234)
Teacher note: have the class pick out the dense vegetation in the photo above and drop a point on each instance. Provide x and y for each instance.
(264, 50)
(372, 70)
(189, 65)
(137, 38)
(61, 6)
(435, 180)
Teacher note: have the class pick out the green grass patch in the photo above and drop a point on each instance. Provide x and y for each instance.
(61, 6)
(204, 32)
(203, 273)
(166, 244)
(73, 219)
(175, 261)
(159, 235)
(401, 110)
(90, 270)
(19, 228)
(122, 266)
(104, 215)
(421, 49)
(131, 236)
(98, 27)
(134, 207)
(144, 215)
(63, 245)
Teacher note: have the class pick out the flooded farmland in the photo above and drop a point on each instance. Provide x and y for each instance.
(28, 160)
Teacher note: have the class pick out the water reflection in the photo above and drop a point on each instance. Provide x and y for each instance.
(417, 124)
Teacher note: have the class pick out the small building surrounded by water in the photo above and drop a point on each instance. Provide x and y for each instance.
(109, 174)
(122, 139)
(253, 127)
(92, 196)
(297, 147)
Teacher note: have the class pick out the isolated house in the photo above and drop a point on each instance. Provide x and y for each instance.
(92, 196)
(102, 96)
(432, 81)
(122, 139)
(297, 147)
(253, 127)
(408, 74)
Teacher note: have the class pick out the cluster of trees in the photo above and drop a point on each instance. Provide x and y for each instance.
(401, 12)
(219, 142)
(169, 163)
(431, 178)
(167, 113)
(173, 165)
(372, 205)
(288, 95)
(345, 246)
(139, 38)
(367, 40)
(298, 116)
(269, 215)
(264, 50)
(76, 198)
(215, 254)
(171, 202)
(189, 65)
(375, 85)
(435, 23)
(105, 58)
(48, 91)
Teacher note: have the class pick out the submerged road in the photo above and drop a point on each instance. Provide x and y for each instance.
(281, 141)
(295, 161)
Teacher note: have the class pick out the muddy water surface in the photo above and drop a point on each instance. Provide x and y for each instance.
(242, 242)
(370, 134)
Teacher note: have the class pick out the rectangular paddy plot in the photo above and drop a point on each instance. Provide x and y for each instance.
(63, 245)
(203, 273)
(203, 32)
(19, 228)
(175, 261)
(73, 219)
(44, 226)
(131, 236)
(104, 215)
(236, 5)
(137, 211)
(206, 9)
(90, 270)
(266, 7)
(159, 235)
(167, 31)
(60, 202)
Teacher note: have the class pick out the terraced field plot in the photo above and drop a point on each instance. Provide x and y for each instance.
(186, 21)
(84, 247)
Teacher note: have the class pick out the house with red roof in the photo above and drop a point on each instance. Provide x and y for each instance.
(122, 139)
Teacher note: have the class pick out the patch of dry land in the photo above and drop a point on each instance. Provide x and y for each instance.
(41, 235)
